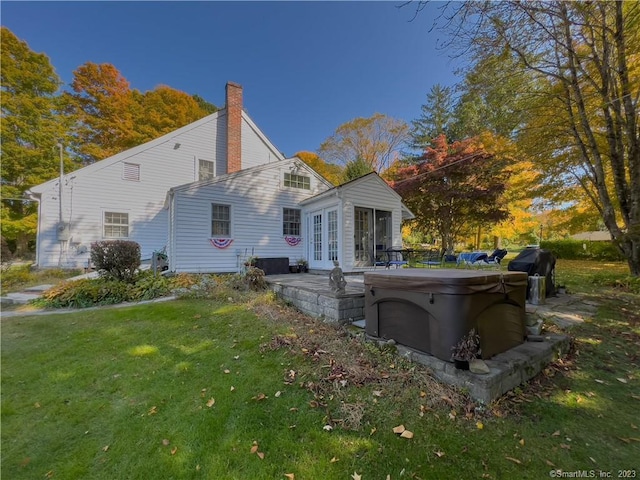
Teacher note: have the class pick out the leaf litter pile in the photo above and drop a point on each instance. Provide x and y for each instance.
(340, 362)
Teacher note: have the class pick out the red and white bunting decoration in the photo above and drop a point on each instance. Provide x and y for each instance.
(292, 241)
(221, 242)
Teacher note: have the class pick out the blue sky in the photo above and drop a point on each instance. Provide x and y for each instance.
(306, 67)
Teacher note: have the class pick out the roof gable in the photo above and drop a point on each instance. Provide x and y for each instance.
(300, 165)
(166, 138)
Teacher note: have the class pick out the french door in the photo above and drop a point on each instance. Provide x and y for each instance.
(324, 238)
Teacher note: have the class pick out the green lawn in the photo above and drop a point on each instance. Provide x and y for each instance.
(205, 388)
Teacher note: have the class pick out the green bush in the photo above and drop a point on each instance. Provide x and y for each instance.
(116, 259)
(583, 250)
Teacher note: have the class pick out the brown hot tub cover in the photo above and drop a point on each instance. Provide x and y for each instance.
(430, 310)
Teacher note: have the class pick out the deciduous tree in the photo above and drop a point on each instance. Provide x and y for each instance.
(585, 57)
(456, 186)
(31, 129)
(375, 140)
(330, 171)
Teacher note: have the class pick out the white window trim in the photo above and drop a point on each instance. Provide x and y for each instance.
(297, 175)
(104, 223)
(197, 167)
(299, 223)
(230, 220)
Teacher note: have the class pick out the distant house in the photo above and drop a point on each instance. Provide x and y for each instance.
(596, 236)
(211, 193)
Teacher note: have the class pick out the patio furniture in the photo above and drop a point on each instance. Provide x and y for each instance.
(431, 258)
(469, 259)
(396, 257)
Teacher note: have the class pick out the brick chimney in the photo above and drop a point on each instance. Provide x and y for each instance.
(234, 127)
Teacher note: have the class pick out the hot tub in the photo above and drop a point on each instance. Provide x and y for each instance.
(430, 310)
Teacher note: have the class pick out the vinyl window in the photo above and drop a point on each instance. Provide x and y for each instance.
(220, 220)
(116, 225)
(297, 181)
(205, 170)
(291, 221)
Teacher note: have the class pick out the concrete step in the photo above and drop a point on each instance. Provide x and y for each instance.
(18, 298)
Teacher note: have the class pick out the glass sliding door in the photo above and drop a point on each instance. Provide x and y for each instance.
(373, 235)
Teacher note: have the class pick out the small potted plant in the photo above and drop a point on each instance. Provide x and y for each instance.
(467, 349)
(303, 265)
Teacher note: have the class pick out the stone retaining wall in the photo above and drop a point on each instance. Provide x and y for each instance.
(340, 308)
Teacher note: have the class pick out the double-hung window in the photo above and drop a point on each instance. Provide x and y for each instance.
(291, 222)
(116, 225)
(220, 220)
(205, 170)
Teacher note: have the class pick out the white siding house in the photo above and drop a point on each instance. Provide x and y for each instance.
(353, 223)
(283, 209)
(217, 224)
(213, 193)
(123, 196)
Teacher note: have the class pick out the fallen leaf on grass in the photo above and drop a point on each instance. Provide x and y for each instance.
(260, 396)
(373, 430)
(254, 448)
(629, 440)
(226, 370)
(49, 474)
(165, 442)
(290, 476)
(514, 460)
(399, 429)
(153, 410)
(406, 434)
(479, 425)
(599, 381)
(356, 476)
(36, 405)
(549, 463)
(328, 428)
(556, 433)
(521, 442)
(105, 448)
(377, 393)
(439, 453)
(622, 380)
(260, 455)
(278, 393)
(211, 402)
(565, 446)
(232, 388)
(592, 459)
(333, 460)
(174, 450)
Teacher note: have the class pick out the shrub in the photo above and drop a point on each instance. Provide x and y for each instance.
(116, 259)
(583, 250)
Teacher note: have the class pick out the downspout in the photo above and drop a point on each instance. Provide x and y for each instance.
(36, 198)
